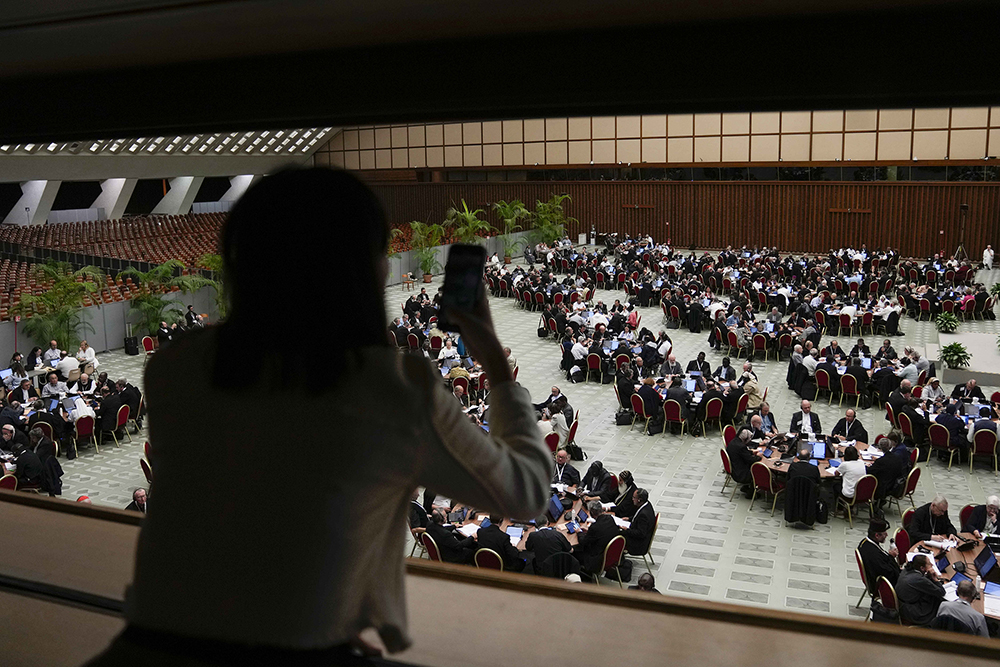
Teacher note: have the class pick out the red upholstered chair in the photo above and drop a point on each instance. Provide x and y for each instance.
(846, 323)
(147, 346)
(147, 450)
(613, 554)
(437, 342)
(552, 440)
(122, 421)
(412, 341)
(728, 467)
(462, 382)
(647, 558)
(963, 516)
(849, 387)
(889, 416)
(864, 494)
(887, 596)
(594, 364)
(672, 414)
(84, 428)
(784, 343)
(984, 443)
(734, 344)
(488, 559)
(764, 481)
(902, 540)
(8, 482)
(760, 344)
(741, 408)
(904, 425)
(995, 397)
(431, 546)
(147, 471)
(639, 408)
(925, 309)
(867, 320)
(907, 517)
(941, 441)
(621, 360)
(728, 433)
(823, 384)
(864, 578)
(571, 436)
(516, 369)
(713, 412)
(392, 339)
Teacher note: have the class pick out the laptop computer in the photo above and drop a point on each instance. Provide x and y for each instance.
(690, 385)
(818, 450)
(6, 373)
(866, 363)
(695, 374)
(457, 516)
(769, 327)
(555, 507)
(985, 561)
(53, 405)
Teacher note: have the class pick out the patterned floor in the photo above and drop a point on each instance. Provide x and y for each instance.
(706, 547)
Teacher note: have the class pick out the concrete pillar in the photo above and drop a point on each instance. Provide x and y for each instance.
(35, 204)
(115, 193)
(180, 196)
(238, 185)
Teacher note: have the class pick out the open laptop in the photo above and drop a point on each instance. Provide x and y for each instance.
(555, 507)
(985, 561)
(6, 373)
(818, 450)
(866, 363)
(690, 385)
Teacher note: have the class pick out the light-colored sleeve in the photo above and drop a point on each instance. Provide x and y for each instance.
(506, 470)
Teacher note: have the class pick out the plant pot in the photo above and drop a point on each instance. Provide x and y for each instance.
(427, 277)
(506, 259)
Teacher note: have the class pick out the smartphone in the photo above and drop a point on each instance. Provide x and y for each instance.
(463, 282)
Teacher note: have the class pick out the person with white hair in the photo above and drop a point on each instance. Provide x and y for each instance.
(988, 258)
(931, 522)
(984, 519)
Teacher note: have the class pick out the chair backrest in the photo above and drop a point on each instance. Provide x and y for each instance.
(571, 436)
(887, 594)
(552, 440)
(488, 559)
(861, 569)
(822, 379)
(848, 384)
(741, 405)
(437, 342)
(45, 427)
(714, 408)
(412, 341)
(621, 360)
(984, 441)
(917, 391)
(907, 517)
(939, 436)
(8, 482)
(922, 379)
(995, 397)
(728, 434)
(462, 382)
(672, 411)
(902, 540)
(431, 546)
(762, 477)
(845, 320)
(759, 342)
(963, 516)
(889, 416)
(638, 406)
(147, 343)
(726, 464)
(73, 375)
(904, 424)
(557, 298)
(392, 339)
(593, 362)
(864, 491)
(147, 449)
(146, 470)
(784, 340)
(84, 426)
(613, 553)
(733, 340)
(122, 416)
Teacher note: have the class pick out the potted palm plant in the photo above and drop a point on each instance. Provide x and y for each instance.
(550, 220)
(426, 238)
(955, 355)
(467, 224)
(510, 213)
(57, 313)
(149, 304)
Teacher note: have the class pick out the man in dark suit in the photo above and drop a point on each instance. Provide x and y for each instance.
(887, 469)
(730, 401)
(830, 366)
(543, 542)
(855, 370)
(919, 592)
(931, 522)
(741, 458)
(418, 515)
(163, 334)
(700, 365)
(138, 503)
(564, 472)
(626, 385)
(677, 392)
(25, 393)
(639, 534)
(452, 549)
(984, 518)
(877, 561)
(13, 415)
(918, 422)
(493, 538)
(849, 428)
(712, 391)
(651, 399)
(805, 420)
(29, 466)
(131, 397)
(590, 549)
(12, 437)
(57, 424)
(968, 391)
(107, 413)
(898, 398)
(956, 427)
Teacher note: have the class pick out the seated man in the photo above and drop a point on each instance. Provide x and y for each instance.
(590, 548)
(983, 423)
(66, 365)
(543, 542)
(639, 534)
(564, 472)
(700, 365)
(12, 438)
(132, 397)
(732, 393)
(493, 538)
(54, 388)
(767, 421)
(877, 561)
(888, 470)
(849, 428)
(52, 355)
(968, 391)
(811, 361)
(805, 420)
(919, 591)
(651, 399)
(931, 522)
(29, 466)
(451, 549)
(82, 387)
(984, 519)
(725, 372)
(961, 609)
(55, 421)
(138, 503)
(740, 460)
(25, 393)
(107, 413)
(418, 517)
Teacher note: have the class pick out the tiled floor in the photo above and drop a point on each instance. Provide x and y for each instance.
(706, 547)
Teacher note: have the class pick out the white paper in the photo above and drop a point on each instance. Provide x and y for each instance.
(621, 523)
(514, 541)
(469, 529)
(560, 488)
(950, 593)
(945, 544)
(607, 506)
(991, 605)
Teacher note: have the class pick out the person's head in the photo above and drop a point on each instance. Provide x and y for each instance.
(939, 506)
(562, 457)
(806, 406)
(905, 386)
(966, 590)
(765, 408)
(554, 392)
(756, 421)
(701, 356)
(139, 496)
(102, 377)
(886, 344)
(53, 378)
(971, 384)
(650, 381)
(861, 342)
(437, 516)
(326, 206)
(878, 530)
(8, 432)
(26, 384)
(833, 343)
(105, 391)
(984, 412)
(992, 506)
(745, 435)
(624, 479)
(84, 345)
(53, 345)
(459, 390)
(496, 519)
(84, 378)
(506, 351)
(920, 563)
(725, 361)
(594, 508)
(849, 415)
(851, 453)
(120, 383)
(646, 582)
(639, 497)
(595, 469)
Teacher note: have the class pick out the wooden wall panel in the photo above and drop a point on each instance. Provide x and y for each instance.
(793, 216)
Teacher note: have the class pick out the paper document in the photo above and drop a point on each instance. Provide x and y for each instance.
(607, 506)
(560, 488)
(469, 529)
(946, 544)
(621, 523)
(949, 591)
(991, 605)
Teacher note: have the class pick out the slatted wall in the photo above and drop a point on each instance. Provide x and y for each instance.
(793, 216)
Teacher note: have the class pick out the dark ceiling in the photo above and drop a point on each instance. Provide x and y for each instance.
(71, 70)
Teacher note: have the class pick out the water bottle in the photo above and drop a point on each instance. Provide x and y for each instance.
(979, 583)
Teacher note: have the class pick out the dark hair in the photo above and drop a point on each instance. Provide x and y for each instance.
(918, 563)
(851, 453)
(328, 208)
(643, 495)
(496, 519)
